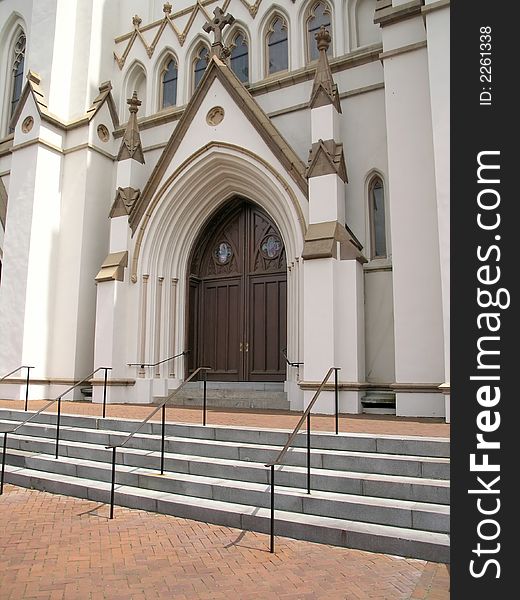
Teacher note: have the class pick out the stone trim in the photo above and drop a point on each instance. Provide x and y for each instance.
(416, 388)
(123, 202)
(105, 95)
(392, 14)
(275, 141)
(349, 94)
(65, 381)
(428, 8)
(287, 79)
(39, 142)
(322, 240)
(158, 196)
(49, 146)
(355, 386)
(113, 267)
(364, 386)
(326, 158)
(403, 50)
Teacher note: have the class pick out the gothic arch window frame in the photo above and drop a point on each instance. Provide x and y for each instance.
(309, 14)
(163, 64)
(353, 28)
(9, 41)
(196, 57)
(135, 73)
(231, 44)
(268, 31)
(372, 179)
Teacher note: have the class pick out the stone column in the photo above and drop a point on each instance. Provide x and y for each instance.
(418, 314)
(333, 276)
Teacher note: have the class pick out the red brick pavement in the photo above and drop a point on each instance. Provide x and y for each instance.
(58, 548)
(247, 418)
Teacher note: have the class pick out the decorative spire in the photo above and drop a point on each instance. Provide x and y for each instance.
(217, 25)
(324, 90)
(167, 8)
(136, 21)
(131, 146)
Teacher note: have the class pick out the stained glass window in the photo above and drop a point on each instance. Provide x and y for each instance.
(169, 84)
(377, 206)
(223, 253)
(17, 72)
(201, 62)
(240, 58)
(320, 15)
(278, 47)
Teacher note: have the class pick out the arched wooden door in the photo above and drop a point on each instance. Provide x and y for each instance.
(238, 297)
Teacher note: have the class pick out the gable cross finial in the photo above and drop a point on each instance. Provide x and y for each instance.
(217, 25)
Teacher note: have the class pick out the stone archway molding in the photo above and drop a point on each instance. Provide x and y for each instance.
(207, 179)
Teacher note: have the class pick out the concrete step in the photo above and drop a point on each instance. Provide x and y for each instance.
(403, 541)
(413, 489)
(261, 396)
(384, 511)
(378, 443)
(341, 460)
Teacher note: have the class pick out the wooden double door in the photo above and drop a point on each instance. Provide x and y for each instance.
(238, 297)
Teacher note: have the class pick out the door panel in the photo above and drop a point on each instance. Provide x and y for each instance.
(220, 329)
(241, 320)
(267, 328)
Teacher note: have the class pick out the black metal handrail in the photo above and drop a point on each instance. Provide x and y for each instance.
(8, 429)
(306, 416)
(143, 365)
(26, 381)
(161, 406)
(291, 364)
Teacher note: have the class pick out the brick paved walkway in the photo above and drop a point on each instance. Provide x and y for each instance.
(275, 419)
(58, 548)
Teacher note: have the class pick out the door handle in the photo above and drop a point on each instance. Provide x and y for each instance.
(247, 346)
(241, 346)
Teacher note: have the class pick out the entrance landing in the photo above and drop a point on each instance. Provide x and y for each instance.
(264, 419)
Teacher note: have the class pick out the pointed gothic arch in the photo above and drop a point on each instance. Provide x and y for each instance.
(167, 78)
(362, 29)
(135, 81)
(275, 19)
(204, 184)
(239, 43)
(13, 42)
(316, 14)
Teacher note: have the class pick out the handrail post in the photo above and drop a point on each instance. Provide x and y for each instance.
(3, 464)
(309, 453)
(58, 418)
(336, 398)
(204, 402)
(113, 485)
(105, 393)
(162, 437)
(271, 541)
(27, 388)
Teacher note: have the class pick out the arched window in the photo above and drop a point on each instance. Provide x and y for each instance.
(367, 32)
(376, 198)
(169, 84)
(17, 72)
(135, 81)
(239, 59)
(319, 16)
(199, 65)
(277, 46)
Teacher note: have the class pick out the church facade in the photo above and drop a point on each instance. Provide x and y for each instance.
(257, 187)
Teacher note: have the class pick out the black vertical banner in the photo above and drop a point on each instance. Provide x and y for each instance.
(485, 382)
